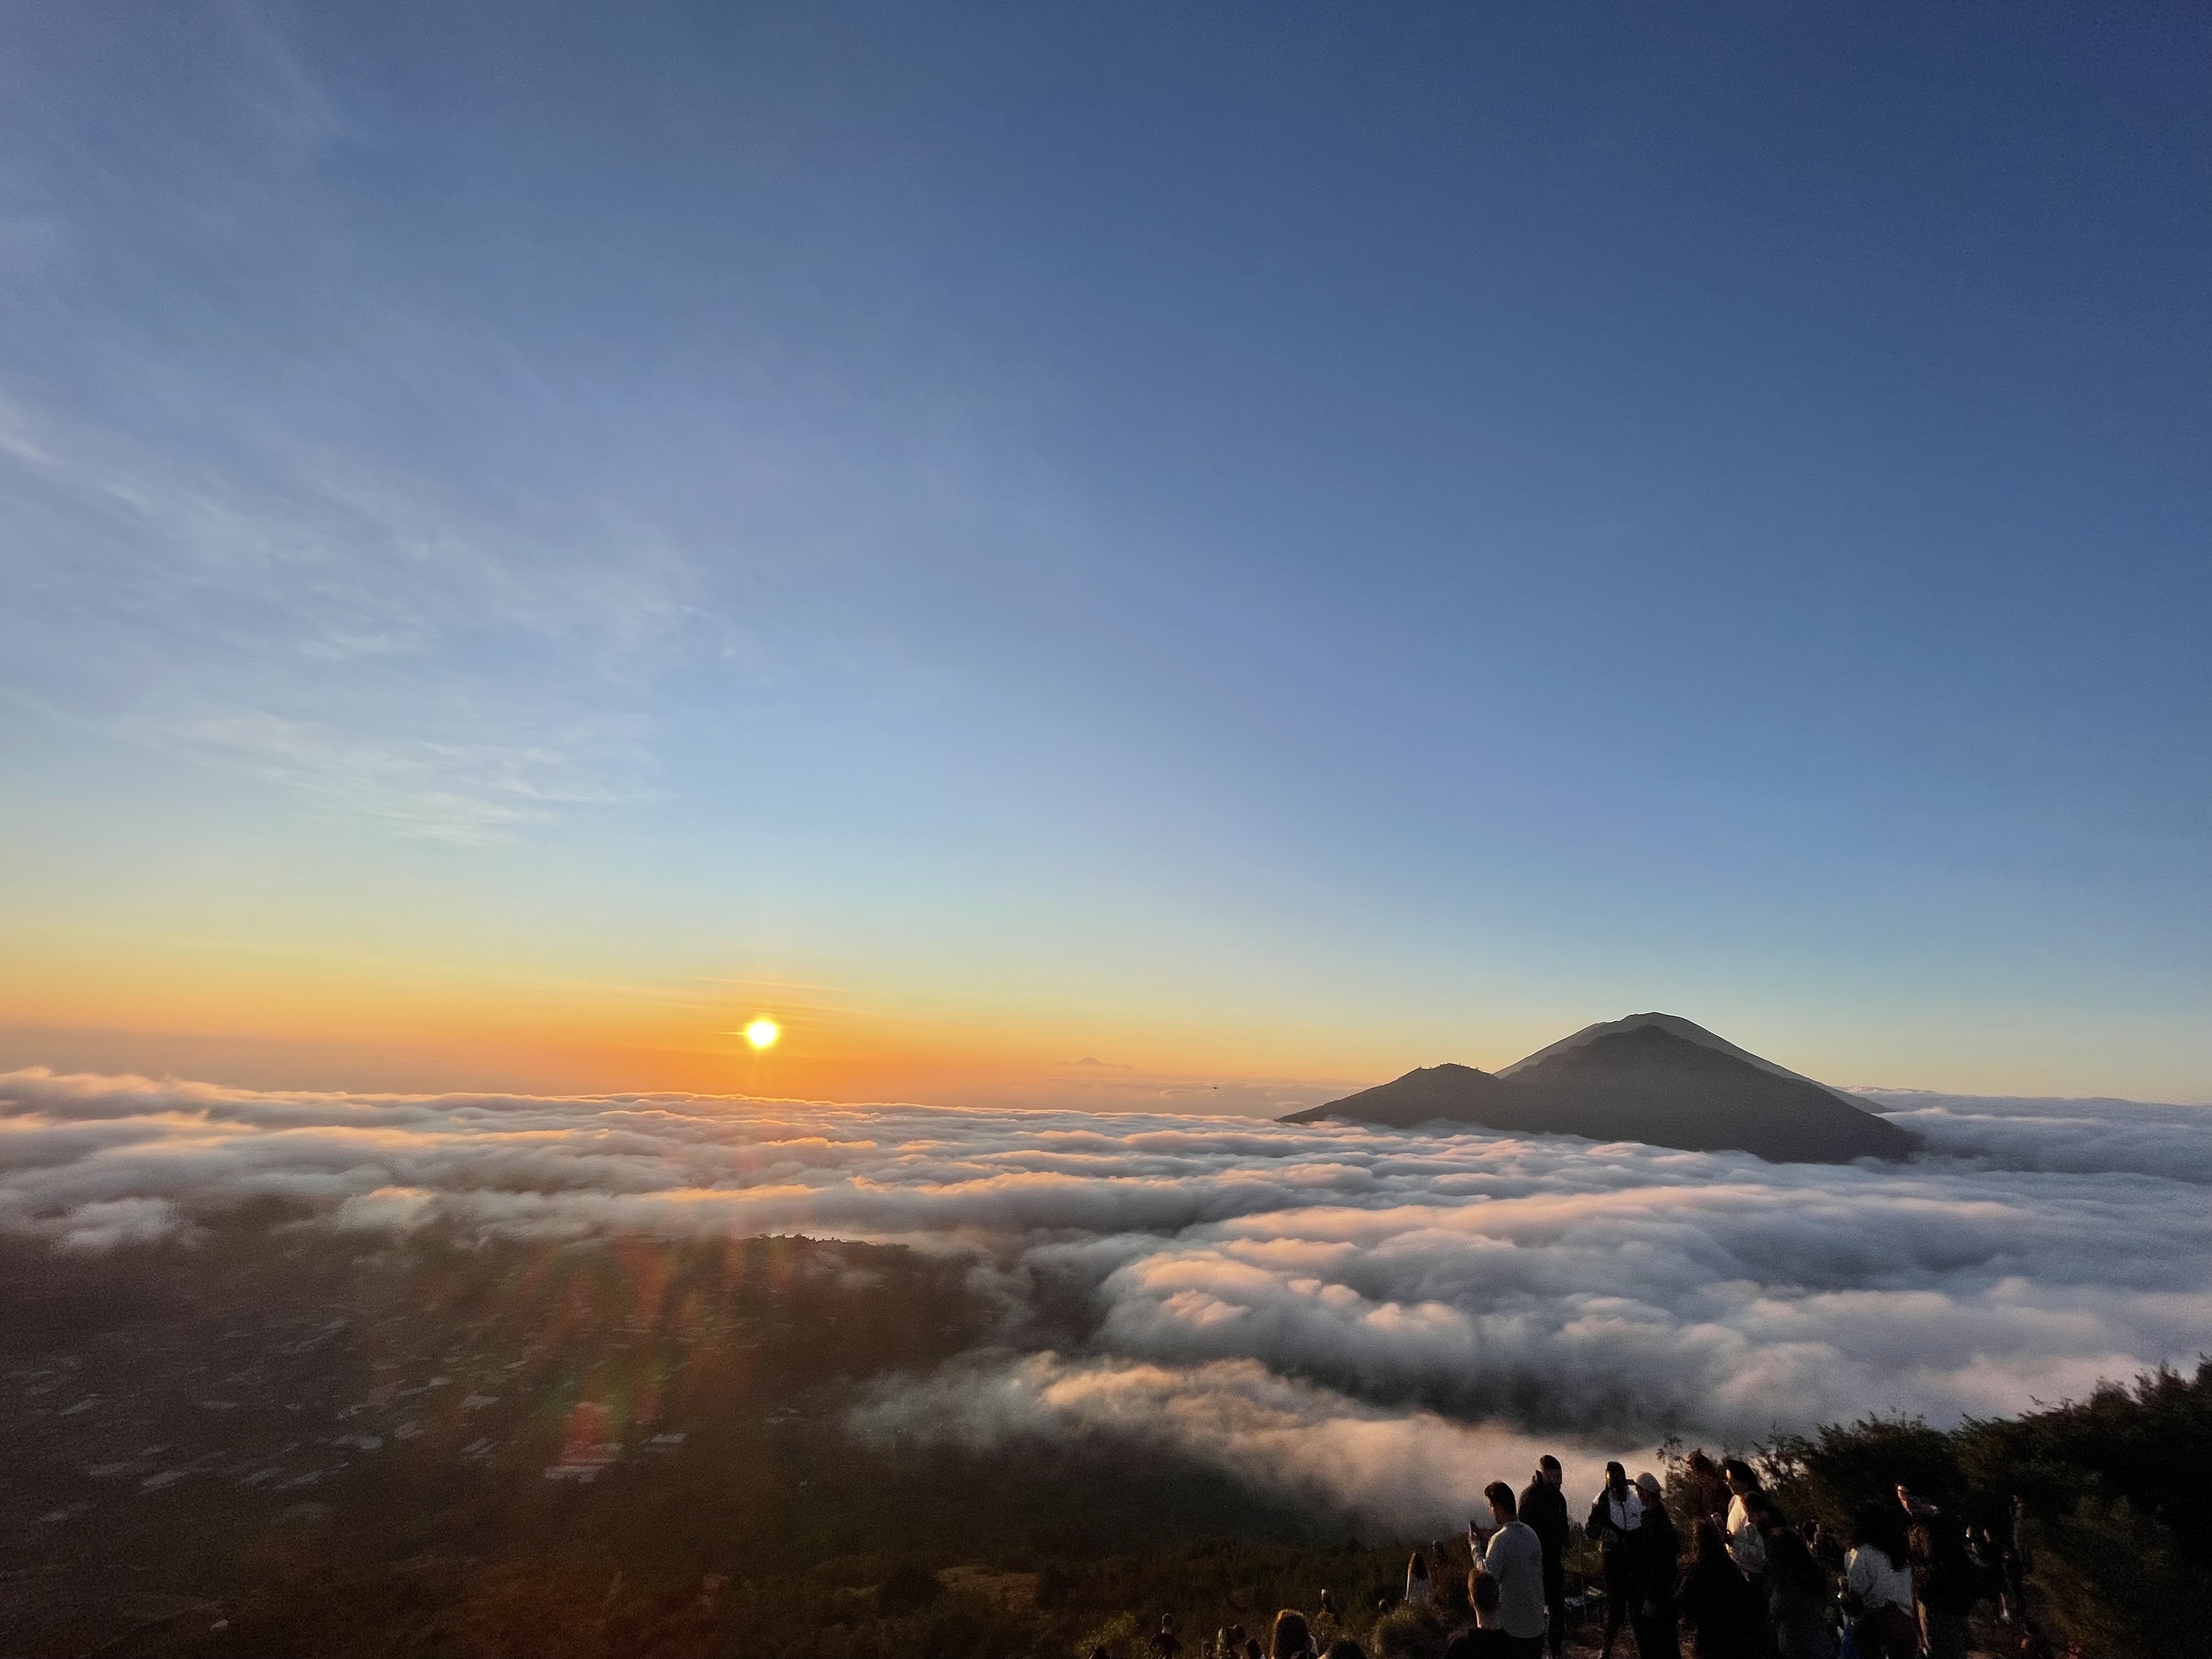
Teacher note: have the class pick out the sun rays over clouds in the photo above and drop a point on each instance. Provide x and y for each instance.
(1260, 1293)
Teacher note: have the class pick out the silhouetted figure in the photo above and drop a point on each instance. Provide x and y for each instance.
(1165, 1642)
(1344, 1648)
(1544, 1507)
(1420, 1592)
(1613, 1524)
(2015, 1567)
(1989, 1569)
(1945, 1580)
(1709, 1492)
(1291, 1637)
(1725, 1620)
(1656, 1553)
(1798, 1599)
(1482, 1641)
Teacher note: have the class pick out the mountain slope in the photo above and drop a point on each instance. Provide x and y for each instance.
(1639, 1079)
(1647, 1083)
(1458, 1094)
(1686, 1029)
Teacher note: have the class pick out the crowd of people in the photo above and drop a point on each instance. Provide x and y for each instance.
(1755, 1585)
(1758, 1586)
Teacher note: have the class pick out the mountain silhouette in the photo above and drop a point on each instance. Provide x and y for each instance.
(1654, 1077)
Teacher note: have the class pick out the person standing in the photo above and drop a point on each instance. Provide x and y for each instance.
(1709, 1493)
(1798, 1599)
(1614, 1519)
(1944, 1576)
(1716, 1603)
(1512, 1556)
(1544, 1512)
(1747, 1542)
(1420, 1591)
(2013, 1565)
(1658, 1561)
(1878, 1586)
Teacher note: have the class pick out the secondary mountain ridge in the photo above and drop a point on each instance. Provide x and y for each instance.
(1654, 1077)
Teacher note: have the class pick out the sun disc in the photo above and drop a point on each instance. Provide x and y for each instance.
(762, 1033)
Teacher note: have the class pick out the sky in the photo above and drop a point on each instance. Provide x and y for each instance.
(1141, 557)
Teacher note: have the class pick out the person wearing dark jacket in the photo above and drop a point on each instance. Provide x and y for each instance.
(1615, 1520)
(1724, 1621)
(1798, 1599)
(1652, 1617)
(1709, 1492)
(1544, 1507)
(1946, 1582)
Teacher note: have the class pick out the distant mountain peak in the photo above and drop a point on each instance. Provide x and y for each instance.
(1688, 1029)
(1654, 1077)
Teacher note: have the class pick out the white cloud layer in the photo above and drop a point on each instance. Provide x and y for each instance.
(1270, 1297)
(1412, 1471)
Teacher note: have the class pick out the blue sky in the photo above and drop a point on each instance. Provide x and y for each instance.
(1298, 540)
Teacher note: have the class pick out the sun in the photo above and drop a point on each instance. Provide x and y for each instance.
(763, 1032)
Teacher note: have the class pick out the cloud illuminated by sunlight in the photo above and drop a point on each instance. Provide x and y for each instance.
(1535, 1282)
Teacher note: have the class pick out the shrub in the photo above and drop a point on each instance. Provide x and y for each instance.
(1410, 1632)
(2115, 1581)
(1120, 1635)
(907, 1588)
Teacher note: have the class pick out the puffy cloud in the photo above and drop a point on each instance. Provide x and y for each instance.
(95, 1229)
(1411, 1471)
(1544, 1282)
(2086, 1137)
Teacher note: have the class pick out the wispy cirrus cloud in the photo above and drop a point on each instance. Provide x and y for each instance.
(468, 794)
(345, 635)
(270, 529)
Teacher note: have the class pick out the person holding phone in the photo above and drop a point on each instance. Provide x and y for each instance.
(1512, 1557)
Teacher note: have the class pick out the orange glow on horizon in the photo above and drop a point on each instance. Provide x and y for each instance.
(265, 1017)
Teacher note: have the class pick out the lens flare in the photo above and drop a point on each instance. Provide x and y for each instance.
(762, 1033)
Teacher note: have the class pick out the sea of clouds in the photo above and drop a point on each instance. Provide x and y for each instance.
(1385, 1318)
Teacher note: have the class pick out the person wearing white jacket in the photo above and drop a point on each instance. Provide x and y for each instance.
(1878, 1586)
(1613, 1524)
(1513, 1555)
(1420, 1589)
